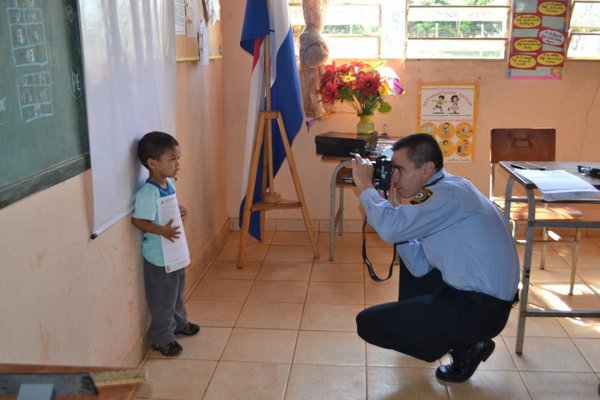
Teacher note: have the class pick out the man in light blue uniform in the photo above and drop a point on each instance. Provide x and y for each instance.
(460, 270)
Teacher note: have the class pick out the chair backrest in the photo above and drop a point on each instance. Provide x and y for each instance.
(521, 144)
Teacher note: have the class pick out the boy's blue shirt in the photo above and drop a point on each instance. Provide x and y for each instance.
(146, 207)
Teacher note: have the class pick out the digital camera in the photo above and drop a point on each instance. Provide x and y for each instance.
(382, 173)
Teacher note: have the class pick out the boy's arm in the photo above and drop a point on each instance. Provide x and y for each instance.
(168, 231)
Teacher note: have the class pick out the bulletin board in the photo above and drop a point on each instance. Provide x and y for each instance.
(186, 43)
(448, 111)
(538, 39)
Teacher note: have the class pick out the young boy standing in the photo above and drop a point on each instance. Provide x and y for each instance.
(159, 152)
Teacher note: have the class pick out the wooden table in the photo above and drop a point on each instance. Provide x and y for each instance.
(123, 392)
(532, 223)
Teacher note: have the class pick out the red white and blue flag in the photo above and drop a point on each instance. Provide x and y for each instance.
(269, 18)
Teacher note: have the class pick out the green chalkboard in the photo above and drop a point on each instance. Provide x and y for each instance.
(43, 122)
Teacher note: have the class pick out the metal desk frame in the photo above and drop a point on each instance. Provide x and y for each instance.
(532, 223)
(336, 218)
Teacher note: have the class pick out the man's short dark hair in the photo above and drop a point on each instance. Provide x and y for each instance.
(153, 145)
(420, 148)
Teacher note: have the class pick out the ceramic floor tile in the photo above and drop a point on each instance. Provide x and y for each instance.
(229, 270)
(380, 292)
(338, 272)
(548, 354)
(591, 276)
(278, 291)
(285, 271)
(176, 379)
(582, 327)
(261, 345)
(292, 238)
(334, 348)
(248, 381)
(252, 252)
(587, 259)
(290, 254)
(222, 290)
(380, 357)
(549, 327)
(341, 254)
(561, 385)
(590, 348)
(490, 385)
(335, 293)
(326, 382)
(213, 313)
(404, 383)
(270, 315)
(330, 317)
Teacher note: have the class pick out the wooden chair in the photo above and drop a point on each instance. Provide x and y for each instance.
(532, 144)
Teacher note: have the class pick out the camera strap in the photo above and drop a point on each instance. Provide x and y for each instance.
(368, 263)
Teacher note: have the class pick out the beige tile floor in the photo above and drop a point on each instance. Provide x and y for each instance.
(283, 328)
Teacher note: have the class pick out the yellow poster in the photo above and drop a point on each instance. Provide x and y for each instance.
(449, 113)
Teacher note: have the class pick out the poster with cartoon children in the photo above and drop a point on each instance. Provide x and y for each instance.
(449, 113)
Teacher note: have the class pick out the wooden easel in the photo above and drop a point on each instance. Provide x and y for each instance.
(270, 200)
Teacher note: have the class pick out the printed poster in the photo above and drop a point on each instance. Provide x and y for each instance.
(538, 39)
(449, 113)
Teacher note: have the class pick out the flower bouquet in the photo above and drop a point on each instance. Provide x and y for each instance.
(362, 86)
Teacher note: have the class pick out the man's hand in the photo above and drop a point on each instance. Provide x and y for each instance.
(362, 173)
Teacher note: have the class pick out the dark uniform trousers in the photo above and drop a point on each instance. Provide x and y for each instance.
(430, 318)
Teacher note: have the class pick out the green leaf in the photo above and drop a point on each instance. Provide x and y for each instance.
(384, 106)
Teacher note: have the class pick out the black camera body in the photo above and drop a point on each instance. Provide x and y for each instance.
(382, 173)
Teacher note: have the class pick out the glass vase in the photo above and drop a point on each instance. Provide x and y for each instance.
(365, 126)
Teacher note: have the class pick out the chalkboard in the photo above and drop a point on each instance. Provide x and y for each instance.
(43, 122)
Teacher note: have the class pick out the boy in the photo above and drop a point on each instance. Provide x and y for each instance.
(159, 152)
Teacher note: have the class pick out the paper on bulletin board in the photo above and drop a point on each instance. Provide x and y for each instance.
(449, 113)
(538, 39)
(198, 30)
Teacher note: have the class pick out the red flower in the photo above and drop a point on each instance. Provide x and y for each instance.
(329, 92)
(368, 83)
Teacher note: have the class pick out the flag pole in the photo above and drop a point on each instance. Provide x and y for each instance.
(270, 195)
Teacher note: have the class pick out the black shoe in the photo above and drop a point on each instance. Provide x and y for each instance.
(189, 330)
(168, 349)
(464, 366)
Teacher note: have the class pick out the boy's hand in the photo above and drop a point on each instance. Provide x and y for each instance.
(182, 212)
(170, 232)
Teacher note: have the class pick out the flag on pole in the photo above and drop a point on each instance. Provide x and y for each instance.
(269, 17)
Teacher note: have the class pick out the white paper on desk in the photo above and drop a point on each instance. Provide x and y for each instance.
(176, 253)
(559, 185)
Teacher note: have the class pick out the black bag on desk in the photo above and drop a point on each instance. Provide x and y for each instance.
(341, 144)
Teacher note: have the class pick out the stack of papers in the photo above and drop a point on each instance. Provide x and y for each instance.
(559, 185)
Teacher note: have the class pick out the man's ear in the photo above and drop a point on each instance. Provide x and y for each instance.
(429, 168)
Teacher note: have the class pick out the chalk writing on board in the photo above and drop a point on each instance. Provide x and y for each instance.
(29, 48)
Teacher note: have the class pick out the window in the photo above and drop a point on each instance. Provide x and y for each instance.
(365, 29)
(457, 28)
(584, 30)
(436, 29)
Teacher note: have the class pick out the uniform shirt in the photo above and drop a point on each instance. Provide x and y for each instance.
(450, 226)
(146, 207)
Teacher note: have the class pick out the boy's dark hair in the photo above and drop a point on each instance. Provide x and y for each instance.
(420, 148)
(153, 145)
